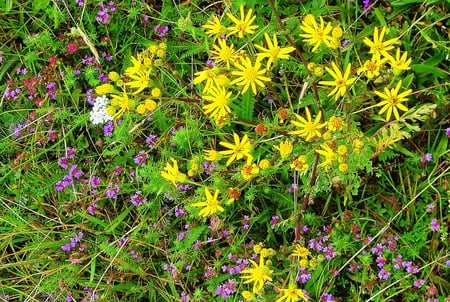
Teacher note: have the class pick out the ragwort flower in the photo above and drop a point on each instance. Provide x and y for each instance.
(249, 75)
(341, 82)
(309, 129)
(219, 99)
(211, 205)
(224, 53)
(172, 173)
(328, 153)
(399, 63)
(377, 46)
(316, 34)
(273, 51)
(371, 68)
(244, 24)
(392, 101)
(214, 27)
(238, 150)
(291, 294)
(259, 274)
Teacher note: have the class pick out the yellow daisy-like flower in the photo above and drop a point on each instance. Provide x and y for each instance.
(249, 75)
(172, 173)
(137, 65)
(291, 294)
(119, 104)
(248, 296)
(212, 155)
(219, 99)
(399, 63)
(341, 82)
(140, 80)
(273, 51)
(249, 170)
(309, 129)
(214, 27)
(264, 164)
(300, 164)
(243, 25)
(209, 75)
(285, 149)
(104, 89)
(316, 34)
(238, 150)
(328, 153)
(210, 206)
(377, 46)
(300, 251)
(224, 53)
(258, 274)
(393, 101)
(371, 68)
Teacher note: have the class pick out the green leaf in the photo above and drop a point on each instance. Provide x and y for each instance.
(245, 108)
(40, 5)
(426, 69)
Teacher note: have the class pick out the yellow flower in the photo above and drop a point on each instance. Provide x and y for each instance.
(249, 170)
(249, 75)
(113, 76)
(212, 155)
(259, 274)
(328, 153)
(377, 46)
(399, 63)
(264, 164)
(243, 25)
(303, 263)
(223, 53)
(316, 34)
(172, 173)
(234, 194)
(291, 294)
(210, 206)
(209, 75)
(341, 82)
(309, 129)
(358, 143)
(342, 150)
(248, 296)
(149, 105)
(393, 101)
(156, 92)
(239, 150)
(195, 166)
(141, 80)
(273, 51)
(219, 99)
(335, 123)
(104, 89)
(343, 168)
(214, 27)
(337, 32)
(300, 251)
(285, 149)
(122, 103)
(371, 68)
(300, 164)
(135, 68)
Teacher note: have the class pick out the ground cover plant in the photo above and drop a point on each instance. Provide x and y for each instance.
(224, 151)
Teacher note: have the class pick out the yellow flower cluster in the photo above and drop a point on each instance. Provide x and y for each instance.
(392, 100)
(234, 69)
(138, 89)
(316, 34)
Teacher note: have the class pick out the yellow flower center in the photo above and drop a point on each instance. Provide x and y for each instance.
(394, 101)
(340, 83)
(299, 164)
(274, 52)
(250, 74)
(210, 74)
(241, 26)
(310, 127)
(378, 46)
(371, 66)
(318, 34)
(225, 53)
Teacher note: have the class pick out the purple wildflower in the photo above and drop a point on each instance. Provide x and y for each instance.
(179, 211)
(270, 101)
(161, 30)
(141, 158)
(384, 274)
(95, 181)
(274, 220)
(108, 128)
(137, 199)
(91, 209)
(210, 273)
(63, 162)
(447, 131)
(345, 43)
(150, 140)
(426, 158)
(327, 297)
(434, 225)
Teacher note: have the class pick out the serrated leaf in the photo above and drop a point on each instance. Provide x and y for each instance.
(420, 114)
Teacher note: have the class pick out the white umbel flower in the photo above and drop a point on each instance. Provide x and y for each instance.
(98, 112)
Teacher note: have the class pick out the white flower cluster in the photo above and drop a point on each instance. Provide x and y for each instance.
(98, 112)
